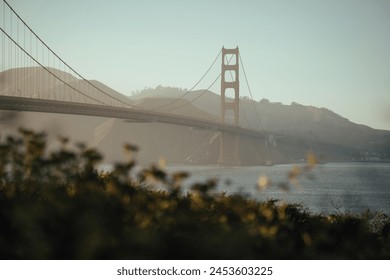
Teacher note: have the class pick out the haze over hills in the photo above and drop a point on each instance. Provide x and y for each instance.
(315, 126)
(291, 130)
(37, 82)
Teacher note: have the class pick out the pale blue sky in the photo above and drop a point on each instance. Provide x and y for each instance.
(333, 53)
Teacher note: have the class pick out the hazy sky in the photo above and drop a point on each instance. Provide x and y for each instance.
(331, 53)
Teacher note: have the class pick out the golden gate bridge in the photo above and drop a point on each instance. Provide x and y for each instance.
(35, 78)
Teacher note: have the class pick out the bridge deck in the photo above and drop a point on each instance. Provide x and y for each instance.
(135, 115)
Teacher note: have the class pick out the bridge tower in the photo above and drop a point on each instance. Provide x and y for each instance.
(227, 155)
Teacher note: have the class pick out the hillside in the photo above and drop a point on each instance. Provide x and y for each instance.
(39, 83)
(291, 130)
(174, 143)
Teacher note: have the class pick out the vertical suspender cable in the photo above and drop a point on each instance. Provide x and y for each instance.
(73, 71)
(250, 92)
(3, 67)
(190, 90)
(11, 58)
(17, 59)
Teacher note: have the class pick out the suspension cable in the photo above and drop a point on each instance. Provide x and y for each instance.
(250, 92)
(200, 95)
(74, 71)
(9, 37)
(158, 108)
(239, 103)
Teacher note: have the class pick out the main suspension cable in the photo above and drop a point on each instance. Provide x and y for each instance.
(250, 92)
(47, 68)
(188, 91)
(200, 95)
(74, 71)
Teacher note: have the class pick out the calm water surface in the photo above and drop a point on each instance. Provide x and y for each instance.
(344, 186)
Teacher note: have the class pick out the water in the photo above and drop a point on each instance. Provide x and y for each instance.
(328, 187)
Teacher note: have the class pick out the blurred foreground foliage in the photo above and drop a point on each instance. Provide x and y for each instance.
(56, 205)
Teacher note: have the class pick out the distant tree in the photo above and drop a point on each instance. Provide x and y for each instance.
(295, 104)
(264, 101)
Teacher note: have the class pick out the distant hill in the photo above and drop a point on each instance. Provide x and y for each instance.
(304, 127)
(174, 143)
(291, 130)
(39, 83)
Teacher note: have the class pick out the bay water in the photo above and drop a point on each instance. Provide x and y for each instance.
(327, 188)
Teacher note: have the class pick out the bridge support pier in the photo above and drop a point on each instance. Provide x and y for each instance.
(229, 153)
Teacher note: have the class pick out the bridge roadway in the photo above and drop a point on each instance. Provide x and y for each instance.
(130, 114)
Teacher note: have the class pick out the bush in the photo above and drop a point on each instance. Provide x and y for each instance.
(56, 205)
